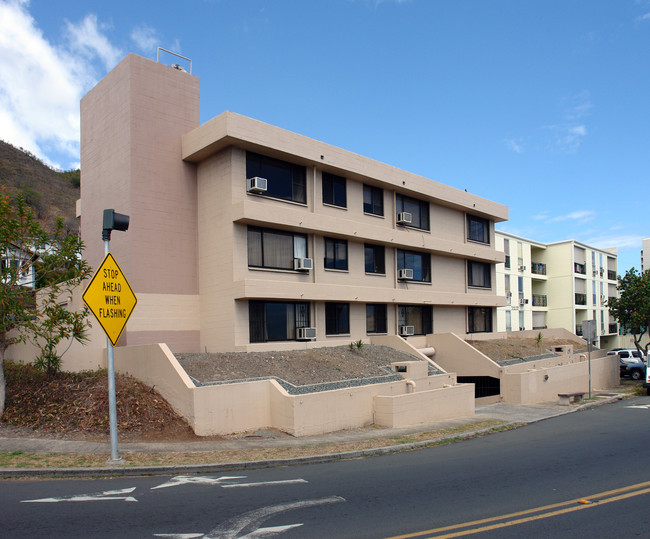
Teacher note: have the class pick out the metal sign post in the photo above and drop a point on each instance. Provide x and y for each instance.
(589, 333)
(112, 401)
(111, 299)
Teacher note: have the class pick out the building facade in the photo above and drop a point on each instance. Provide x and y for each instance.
(645, 255)
(245, 236)
(556, 285)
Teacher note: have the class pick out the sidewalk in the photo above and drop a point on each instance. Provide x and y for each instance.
(509, 414)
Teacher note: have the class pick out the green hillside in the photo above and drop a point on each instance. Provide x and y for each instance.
(52, 194)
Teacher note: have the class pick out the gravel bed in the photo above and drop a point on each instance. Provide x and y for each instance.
(298, 371)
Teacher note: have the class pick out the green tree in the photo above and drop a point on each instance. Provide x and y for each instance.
(632, 307)
(28, 254)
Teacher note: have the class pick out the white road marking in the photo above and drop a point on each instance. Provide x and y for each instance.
(96, 497)
(271, 531)
(640, 406)
(238, 527)
(265, 483)
(260, 532)
(197, 480)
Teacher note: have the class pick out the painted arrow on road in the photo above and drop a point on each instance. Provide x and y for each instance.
(197, 480)
(247, 526)
(95, 497)
(223, 481)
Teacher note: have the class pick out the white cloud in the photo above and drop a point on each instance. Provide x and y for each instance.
(568, 138)
(513, 145)
(41, 84)
(571, 132)
(145, 37)
(620, 241)
(643, 17)
(580, 215)
(86, 38)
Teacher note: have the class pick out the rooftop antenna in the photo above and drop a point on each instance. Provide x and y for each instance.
(175, 66)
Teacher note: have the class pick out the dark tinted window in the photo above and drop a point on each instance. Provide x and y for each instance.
(374, 258)
(479, 320)
(336, 254)
(479, 274)
(337, 318)
(418, 209)
(373, 200)
(284, 180)
(478, 229)
(418, 316)
(376, 318)
(334, 190)
(420, 263)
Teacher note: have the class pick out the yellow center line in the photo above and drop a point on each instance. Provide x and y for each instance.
(546, 512)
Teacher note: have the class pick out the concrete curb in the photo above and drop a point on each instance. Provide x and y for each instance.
(187, 469)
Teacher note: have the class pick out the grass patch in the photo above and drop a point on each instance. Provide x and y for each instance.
(19, 459)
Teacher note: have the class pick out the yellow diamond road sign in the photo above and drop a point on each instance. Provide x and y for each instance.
(110, 298)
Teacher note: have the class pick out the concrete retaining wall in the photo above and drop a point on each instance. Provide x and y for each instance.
(245, 406)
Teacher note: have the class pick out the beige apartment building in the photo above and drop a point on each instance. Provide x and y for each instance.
(245, 236)
(556, 285)
(645, 255)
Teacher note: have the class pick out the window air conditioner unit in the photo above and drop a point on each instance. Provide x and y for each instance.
(404, 218)
(522, 268)
(256, 185)
(306, 334)
(303, 264)
(522, 301)
(405, 274)
(405, 331)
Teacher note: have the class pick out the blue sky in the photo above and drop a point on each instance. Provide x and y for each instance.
(539, 105)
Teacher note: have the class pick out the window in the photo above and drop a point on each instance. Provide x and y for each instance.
(334, 190)
(375, 258)
(376, 318)
(508, 321)
(508, 292)
(276, 320)
(478, 229)
(373, 200)
(418, 209)
(337, 318)
(593, 293)
(418, 316)
(420, 263)
(522, 325)
(506, 249)
(274, 249)
(284, 180)
(336, 254)
(479, 320)
(479, 274)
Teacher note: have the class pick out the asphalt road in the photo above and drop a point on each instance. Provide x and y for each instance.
(577, 475)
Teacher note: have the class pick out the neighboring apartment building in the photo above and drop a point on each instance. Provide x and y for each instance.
(245, 236)
(556, 285)
(645, 255)
(21, 262)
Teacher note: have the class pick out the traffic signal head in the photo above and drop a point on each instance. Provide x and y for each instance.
(113, 221)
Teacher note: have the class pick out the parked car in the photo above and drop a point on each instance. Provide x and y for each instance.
(636, 371)
(630, 362)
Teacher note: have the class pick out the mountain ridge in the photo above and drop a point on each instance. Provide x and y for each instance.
(50, 193)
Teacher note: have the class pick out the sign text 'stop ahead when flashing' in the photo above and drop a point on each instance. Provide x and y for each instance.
(110, 298)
